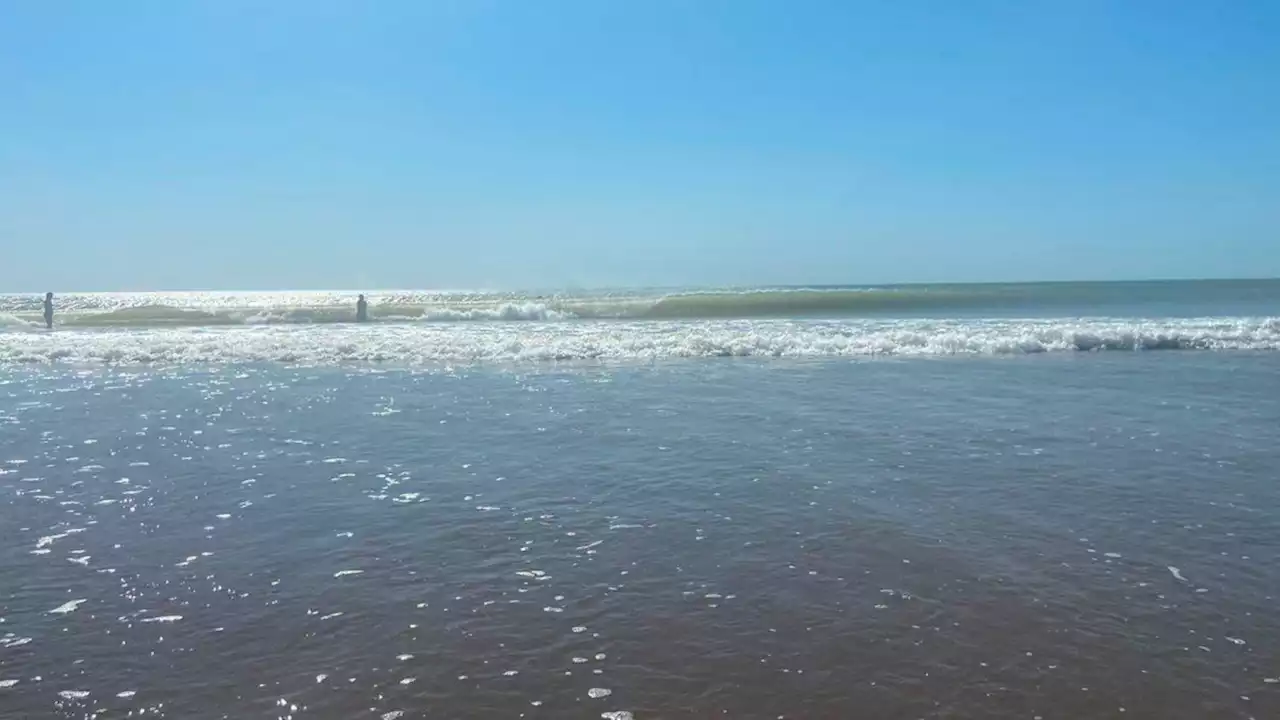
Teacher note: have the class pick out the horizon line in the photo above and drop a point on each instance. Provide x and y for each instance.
(664, 288)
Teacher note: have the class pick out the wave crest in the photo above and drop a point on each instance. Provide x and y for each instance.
(1115, 299)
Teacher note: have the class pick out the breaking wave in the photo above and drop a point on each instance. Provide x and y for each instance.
(152, 309)
(426, 343)
(13, 322)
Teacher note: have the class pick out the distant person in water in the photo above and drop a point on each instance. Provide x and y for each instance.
(362, 309)
(48, 310)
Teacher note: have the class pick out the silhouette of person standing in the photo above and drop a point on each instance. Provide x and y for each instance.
(48, 310)
(362, 309)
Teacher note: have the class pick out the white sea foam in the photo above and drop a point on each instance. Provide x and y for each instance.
(67, 607)
(505, 311)
(424, 344)
(49, 539)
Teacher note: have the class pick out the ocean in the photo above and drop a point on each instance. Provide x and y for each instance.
(1050, 501)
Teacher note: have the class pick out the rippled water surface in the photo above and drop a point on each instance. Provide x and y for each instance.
(1061, 536)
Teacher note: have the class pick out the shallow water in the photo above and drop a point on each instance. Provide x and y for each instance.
(1058, 536)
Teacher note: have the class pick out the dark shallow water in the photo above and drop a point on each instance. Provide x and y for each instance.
(1083, 536)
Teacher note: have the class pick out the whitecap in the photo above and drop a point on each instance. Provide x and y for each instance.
(596, 693)
(49, 539)
(342, 573)
(68, 607)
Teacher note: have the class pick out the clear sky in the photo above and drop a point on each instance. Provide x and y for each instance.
(204, 144)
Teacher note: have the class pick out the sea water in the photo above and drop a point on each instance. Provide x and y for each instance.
(905, 513)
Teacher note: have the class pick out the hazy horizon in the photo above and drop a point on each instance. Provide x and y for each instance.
(626, 288)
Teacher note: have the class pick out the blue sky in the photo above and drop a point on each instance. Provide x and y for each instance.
(158, 144)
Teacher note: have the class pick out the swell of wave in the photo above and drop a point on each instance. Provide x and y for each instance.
(145, 316)
(790, 303)
(13, 322)
(679, 306)
(1223, 298)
